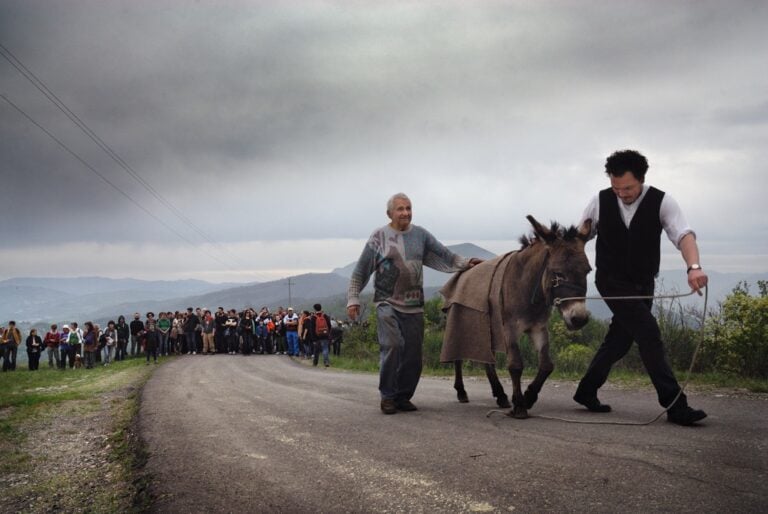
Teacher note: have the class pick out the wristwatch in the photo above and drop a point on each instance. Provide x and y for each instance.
(693, 267)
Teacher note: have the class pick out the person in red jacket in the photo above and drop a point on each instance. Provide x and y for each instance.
(51, 343)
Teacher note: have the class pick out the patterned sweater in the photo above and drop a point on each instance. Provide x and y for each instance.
(397, 258)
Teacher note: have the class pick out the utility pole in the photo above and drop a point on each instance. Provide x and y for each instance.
(290, 302)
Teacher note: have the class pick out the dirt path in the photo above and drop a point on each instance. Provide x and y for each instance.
(75, 455)
(266, 434)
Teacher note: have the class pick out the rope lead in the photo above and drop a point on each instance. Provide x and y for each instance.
(687, 377)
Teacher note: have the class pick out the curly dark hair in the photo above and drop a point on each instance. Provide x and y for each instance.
(627, 161)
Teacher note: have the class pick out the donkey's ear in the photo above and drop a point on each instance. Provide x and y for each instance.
(585, 230)
(541, 231)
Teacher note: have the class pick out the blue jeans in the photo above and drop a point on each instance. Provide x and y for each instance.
(292, 340)
(107, 354)
(163, 336)
(321, 344)
(9, 357)
(401, 337)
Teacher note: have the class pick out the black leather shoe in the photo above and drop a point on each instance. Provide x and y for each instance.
(685, 416)
(388, 407)
(406, 406)
(591, 403)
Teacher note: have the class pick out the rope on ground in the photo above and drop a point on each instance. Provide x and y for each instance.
(687, 376)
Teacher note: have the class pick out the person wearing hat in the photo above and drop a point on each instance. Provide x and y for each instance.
(137, 328)
(64, 348)
(291, 323)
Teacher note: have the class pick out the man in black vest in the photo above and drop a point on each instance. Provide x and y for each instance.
(628, 219)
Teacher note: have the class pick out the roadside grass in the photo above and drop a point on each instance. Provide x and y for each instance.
(67, 440)
(619, 376)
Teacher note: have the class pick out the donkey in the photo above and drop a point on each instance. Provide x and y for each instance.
(490, 306)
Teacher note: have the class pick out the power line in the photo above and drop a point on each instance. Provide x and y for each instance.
(40, 86)
(105, 179)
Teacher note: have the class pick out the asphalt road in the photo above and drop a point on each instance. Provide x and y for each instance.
(267, 434)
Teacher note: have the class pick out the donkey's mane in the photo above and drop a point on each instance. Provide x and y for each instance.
(561, 232)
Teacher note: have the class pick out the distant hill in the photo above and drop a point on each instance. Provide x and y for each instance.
(90, 285)
(99, 299)
(34, 299)
(305, 290)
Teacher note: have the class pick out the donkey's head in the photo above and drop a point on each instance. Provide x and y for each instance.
(565, 274)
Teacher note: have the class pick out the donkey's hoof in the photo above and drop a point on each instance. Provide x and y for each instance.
(462, 396)
(530, 398)
(518, 412)
(503, 402)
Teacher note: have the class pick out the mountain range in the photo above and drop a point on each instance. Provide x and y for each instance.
(37, 300)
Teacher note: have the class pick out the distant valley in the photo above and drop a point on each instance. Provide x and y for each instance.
(37, 300)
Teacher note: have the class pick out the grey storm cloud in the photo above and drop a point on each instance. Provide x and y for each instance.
(251, 117)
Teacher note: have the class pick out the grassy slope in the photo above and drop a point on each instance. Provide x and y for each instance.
(67, 440)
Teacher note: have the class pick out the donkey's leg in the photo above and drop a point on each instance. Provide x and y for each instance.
(496, 387)
(458, 382)
(515, 367)
(540, 339)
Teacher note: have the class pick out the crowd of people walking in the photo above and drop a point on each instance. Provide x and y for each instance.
(196, 331)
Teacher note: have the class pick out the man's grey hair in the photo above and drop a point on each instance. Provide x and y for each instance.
(396, 196)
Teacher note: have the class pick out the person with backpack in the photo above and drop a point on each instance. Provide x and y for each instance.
(320, 333)
(75, 343)
(11, 342)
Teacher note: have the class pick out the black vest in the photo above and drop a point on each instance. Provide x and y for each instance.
(633, 253)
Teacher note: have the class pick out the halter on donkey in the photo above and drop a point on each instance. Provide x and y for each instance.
(491, 305)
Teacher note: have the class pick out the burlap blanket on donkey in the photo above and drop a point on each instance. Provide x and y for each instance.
(474, 329)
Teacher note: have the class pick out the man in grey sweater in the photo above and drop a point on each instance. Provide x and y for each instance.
(396, 254)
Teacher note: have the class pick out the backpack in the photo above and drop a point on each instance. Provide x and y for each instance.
(321, 325)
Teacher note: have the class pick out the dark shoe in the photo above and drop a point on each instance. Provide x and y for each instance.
(388, 406)
(591, 403)
(406, 406)
(685, 416)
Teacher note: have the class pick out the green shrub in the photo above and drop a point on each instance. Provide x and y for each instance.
(737, 334)
(574, 358)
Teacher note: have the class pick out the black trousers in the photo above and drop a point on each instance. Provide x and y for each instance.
(33, 360)
(218, 340)
(233, 342)
(632, 320)
(247, 343)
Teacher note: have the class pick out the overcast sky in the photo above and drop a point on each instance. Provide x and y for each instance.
(279, 129)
